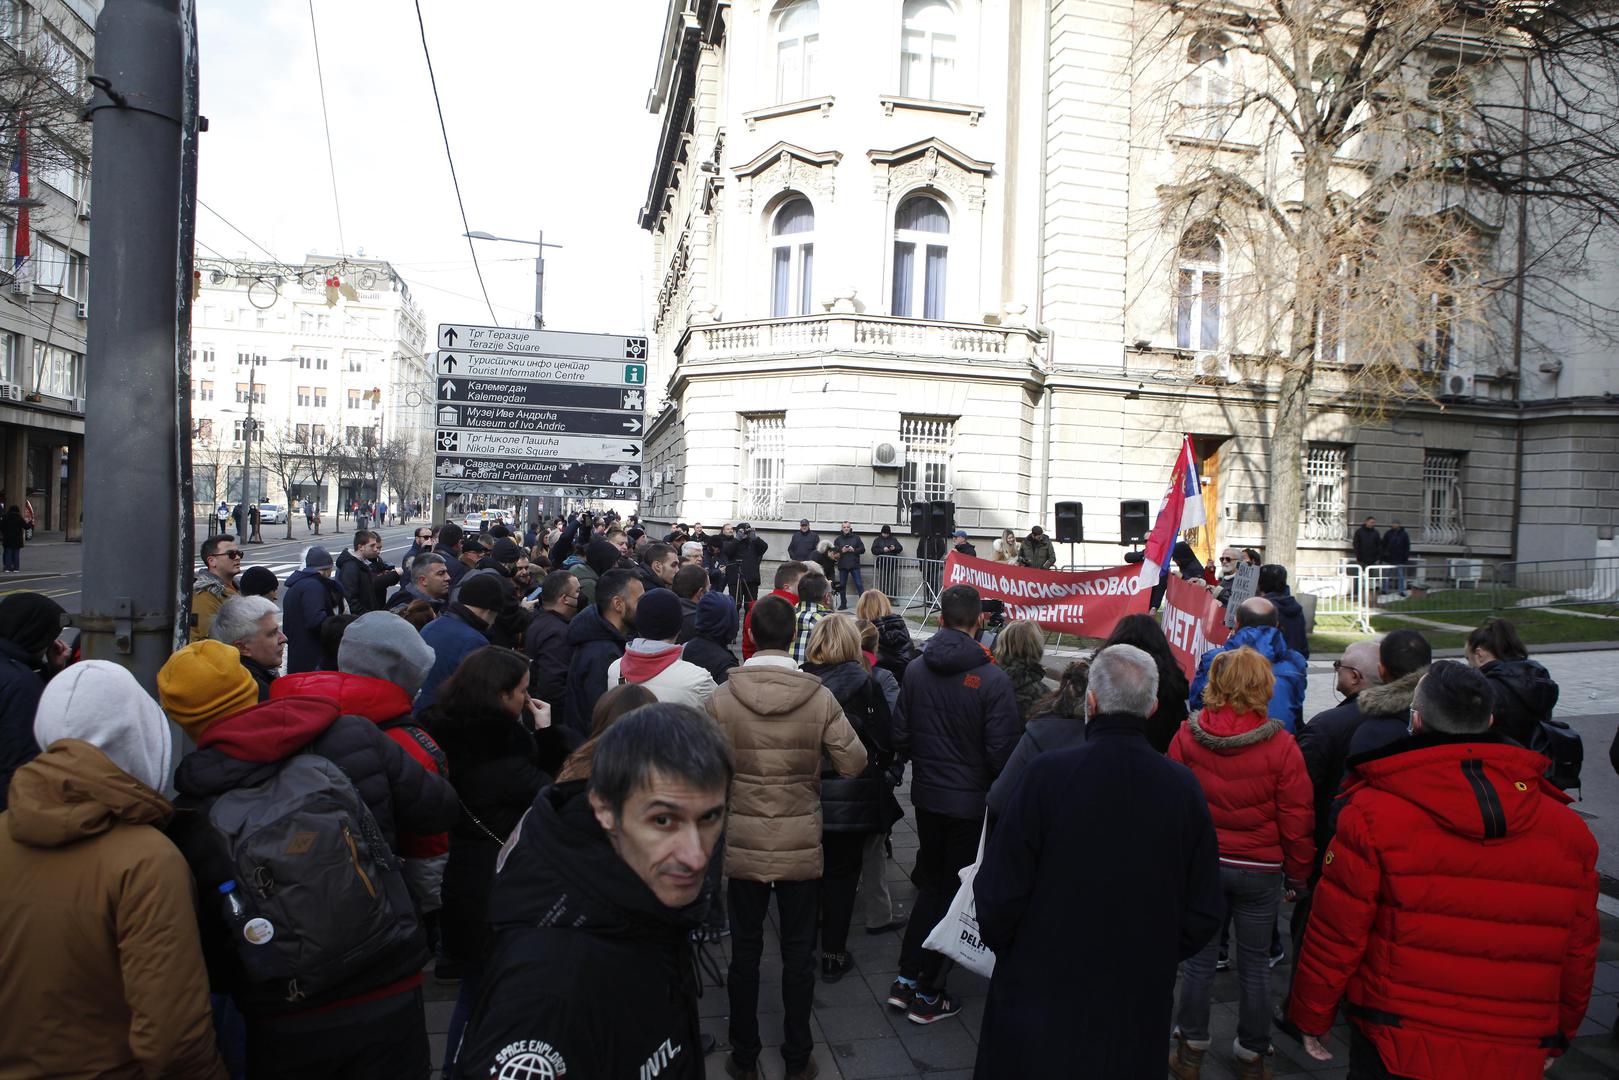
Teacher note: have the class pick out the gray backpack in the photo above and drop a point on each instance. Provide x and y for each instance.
(319, 898)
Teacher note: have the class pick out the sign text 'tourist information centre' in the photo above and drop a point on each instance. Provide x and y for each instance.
(538, 412)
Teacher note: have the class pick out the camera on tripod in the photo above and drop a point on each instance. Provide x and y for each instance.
(994, 621)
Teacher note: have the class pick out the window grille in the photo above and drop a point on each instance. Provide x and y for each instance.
(1442, 498)
(1326, 493)
(764, 466)
(926, 475)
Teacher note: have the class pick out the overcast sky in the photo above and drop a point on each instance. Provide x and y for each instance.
(545, 104)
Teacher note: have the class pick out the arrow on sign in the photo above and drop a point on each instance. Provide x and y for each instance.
(633, 424)
(448, 363)
(447, 390)
(450, 335)
(633, 451)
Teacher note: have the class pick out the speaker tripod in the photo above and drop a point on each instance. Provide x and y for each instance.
(927, 589)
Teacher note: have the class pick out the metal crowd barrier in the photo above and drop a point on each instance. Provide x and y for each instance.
(908, 582)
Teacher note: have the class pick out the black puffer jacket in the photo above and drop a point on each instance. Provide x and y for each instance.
(957, 722)
(1290, 621)
(596, 644)
(861, 804)
(746, 555)
(546, 645)
(1524, 696)
(564, 902)
(365, 582)
(498, 767)
(247, 749)
(20, 687)
(895, 649)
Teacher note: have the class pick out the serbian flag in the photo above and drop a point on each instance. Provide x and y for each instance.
(20, 266)
(1182, 509)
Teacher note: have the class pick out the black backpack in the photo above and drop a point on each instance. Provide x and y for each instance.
(321, 897)
(1563, 745)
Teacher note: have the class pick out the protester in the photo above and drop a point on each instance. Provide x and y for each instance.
(13, 537)
(745, 553)
(1456, 919)
(785, 585)
(449, 548)
(252, 625)
(598, 635)
(1058, 722)
(1036, 550)
(886, 543)
(202, 683)
(429, 582)
(312, 598)
(364, 577)
(104, 975)
(502, 749)
(779, 722)
(459, 632)
(656, 566)
(957, 722)
(813, 606)
(847, 549)
(713, 630)
(1257, 630)
(610, 707)
(600, 556)
(604, 881)
(1272, 585)
(960, 544)
(362, 1015)
(804, 543)
(30, 655)
(857, 808)
(215, 583)
(259, 581)
(1403, 657)
(1368, 546)
(1084, 970)
(1230, 560)
(1020, 650)
(1145, 633)
(1397, 553)
(546, 640)
(421, 542)
(689, 586)
(1259, 796)
(653, 659)
(1005, 549)
(895, 649)
(331, 639)
(1525, 693)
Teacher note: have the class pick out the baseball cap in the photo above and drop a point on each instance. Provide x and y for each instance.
(961, 533)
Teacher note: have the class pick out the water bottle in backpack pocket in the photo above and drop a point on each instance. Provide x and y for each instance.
(318, 896)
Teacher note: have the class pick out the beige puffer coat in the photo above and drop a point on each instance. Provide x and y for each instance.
(780, 722)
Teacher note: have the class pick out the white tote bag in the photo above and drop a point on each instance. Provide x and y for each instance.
(956, 937)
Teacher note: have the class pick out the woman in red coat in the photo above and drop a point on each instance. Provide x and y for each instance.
(1260, 797)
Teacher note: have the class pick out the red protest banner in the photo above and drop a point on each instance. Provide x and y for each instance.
(1086, 604)
(1194, 622)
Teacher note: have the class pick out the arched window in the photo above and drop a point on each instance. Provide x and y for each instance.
(792, 258)
(1199, 276)
(921, 226)
(928, 50)
(1208, 83)
(798, 39)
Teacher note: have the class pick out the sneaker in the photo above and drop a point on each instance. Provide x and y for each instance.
(835, 966)
(923, 1011)
(901, 993)
(1222, 962)
(1278, 955)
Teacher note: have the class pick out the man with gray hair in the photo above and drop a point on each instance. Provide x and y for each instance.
(1105, 860)
(253, 625)
(629, 847)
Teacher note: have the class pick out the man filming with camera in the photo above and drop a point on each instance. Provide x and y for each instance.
(745, 550)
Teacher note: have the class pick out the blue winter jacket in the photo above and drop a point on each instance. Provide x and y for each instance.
(452, 636)
(309, 600)
(1287, 700)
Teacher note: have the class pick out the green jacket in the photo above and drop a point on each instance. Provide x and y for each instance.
(1037, 552)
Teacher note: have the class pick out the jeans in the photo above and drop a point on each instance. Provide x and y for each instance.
(795, 908)
(374, 1040)
(465, 998)
(1365, 1063)
(843, 584)
(1252, 898)
(946, 844)
(840, 880)
(873, 898)
(13, 558)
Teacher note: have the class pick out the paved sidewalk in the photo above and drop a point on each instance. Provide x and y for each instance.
(857, 1036)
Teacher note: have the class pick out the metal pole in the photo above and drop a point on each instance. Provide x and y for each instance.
(137, 415)
(539, 284)
(247, 445)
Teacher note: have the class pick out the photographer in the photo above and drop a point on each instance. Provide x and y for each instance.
(745, 550)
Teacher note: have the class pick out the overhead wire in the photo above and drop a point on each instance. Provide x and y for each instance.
(445, 131)
(331, 159)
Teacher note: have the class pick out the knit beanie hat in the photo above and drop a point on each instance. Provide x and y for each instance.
(204, 682)
(601, 556)
(381, 645)
(101, 703)
(716, 618)
(257, 581)
(506, 550)
(317, 558)
(658, 615)
(482, 591)
(31, 621)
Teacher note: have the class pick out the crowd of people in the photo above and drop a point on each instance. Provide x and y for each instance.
(552, 765)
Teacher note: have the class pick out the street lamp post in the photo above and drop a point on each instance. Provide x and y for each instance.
(249, 428)
(539, 268)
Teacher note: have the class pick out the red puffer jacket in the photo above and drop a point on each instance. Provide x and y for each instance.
(1456, 912)
(387, 706)
(1258, 790)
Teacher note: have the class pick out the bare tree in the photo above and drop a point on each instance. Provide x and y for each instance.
(1382, 179)
(210, 460)
(287, 454)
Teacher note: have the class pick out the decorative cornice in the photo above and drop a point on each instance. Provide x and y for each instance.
(786, 167)
(931, 148)
(823, 104)
(890, 102)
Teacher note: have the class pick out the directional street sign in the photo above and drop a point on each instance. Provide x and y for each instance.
(514, 476)
(538, 411)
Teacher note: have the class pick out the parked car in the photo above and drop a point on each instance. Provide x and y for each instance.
(272, 514)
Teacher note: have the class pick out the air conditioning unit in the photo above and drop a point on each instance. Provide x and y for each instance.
(10, 392)
(888, 454)
(84, 310)
(1465, 573)
(78, 405)
(1457, 384)
(23, 288)
(1213, 366)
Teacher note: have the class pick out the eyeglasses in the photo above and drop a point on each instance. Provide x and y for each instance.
(1339, 665)
(424, 536)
